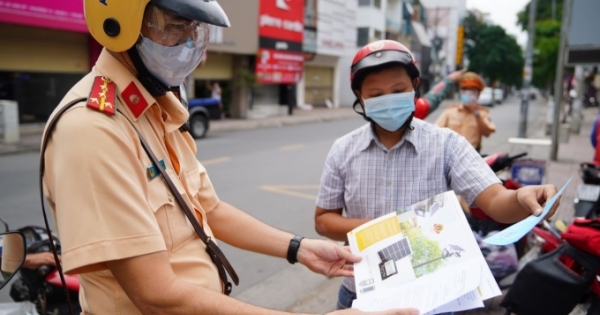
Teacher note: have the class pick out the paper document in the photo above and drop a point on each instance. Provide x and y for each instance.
(423, 256)
(516, 231)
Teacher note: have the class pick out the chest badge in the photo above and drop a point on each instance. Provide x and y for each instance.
(152, 171)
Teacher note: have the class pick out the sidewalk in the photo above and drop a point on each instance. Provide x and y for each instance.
(31, 134)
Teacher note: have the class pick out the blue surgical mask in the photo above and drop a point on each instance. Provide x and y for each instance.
(390, 111)
(467, 97)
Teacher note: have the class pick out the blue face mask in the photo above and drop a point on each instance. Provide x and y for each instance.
(390, 111)
(467, 97)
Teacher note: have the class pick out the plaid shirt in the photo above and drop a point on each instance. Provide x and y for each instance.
(366, 179)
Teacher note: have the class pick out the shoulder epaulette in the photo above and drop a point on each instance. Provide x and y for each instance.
(102, 96)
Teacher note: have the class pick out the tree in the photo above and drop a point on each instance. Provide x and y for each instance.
(547, 40)
(547, 43)
(543, 12)
(492, 52)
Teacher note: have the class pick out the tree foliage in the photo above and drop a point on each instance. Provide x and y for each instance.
(543, 12)
(547, 43)
(546, 40)
(492, 52)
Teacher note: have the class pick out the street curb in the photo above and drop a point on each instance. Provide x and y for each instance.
(215, 126)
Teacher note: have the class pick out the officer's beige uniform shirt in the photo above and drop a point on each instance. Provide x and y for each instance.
(462, 120)
(106, 206)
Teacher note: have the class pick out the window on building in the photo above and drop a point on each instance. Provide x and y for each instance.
(378, 35)
(216, 35)
(364, 3)
(377, 4)
(362, 37)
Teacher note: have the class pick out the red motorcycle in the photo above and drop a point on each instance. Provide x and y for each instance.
(565, 279)
(42, 285)
(503, 261)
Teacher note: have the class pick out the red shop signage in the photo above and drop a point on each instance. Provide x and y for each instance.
(281, 24)
(60, 14)
(275, 66)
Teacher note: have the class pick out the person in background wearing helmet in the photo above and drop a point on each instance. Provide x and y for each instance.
(468, 118)
(396, 161)
(122, 229)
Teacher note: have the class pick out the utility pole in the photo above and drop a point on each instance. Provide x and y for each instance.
(528, 71)
(553, 10)
(558, 83)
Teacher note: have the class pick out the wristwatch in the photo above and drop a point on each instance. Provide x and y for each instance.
(292, 252)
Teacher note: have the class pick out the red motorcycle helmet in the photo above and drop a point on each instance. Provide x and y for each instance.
(377, 54)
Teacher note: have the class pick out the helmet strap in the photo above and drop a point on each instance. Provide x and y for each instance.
(150, 82)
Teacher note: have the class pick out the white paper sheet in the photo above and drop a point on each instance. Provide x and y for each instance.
(468, 301)
(426, 295)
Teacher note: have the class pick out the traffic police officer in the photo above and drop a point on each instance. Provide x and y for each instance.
(121, 228)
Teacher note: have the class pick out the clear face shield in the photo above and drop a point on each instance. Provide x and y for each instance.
(171, 46)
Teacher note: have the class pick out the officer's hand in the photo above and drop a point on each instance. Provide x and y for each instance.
(456, 76)
(533, 198)
(36, 260)
(327, 258)
(352, 311)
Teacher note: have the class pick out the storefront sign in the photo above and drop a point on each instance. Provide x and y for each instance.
(281, 24)
(274, 66)
(63, 14)
(310, 27)
(281, 33)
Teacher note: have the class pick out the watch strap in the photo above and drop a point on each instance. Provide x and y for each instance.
(292, 253)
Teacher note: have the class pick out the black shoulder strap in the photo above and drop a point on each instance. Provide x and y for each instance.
(212, 249)
(49, 127)
(215, 253)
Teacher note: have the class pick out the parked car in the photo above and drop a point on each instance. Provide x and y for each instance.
(498, 96)
(485, 97)
(202, 110)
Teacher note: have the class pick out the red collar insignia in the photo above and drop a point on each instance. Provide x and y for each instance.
(102, 96)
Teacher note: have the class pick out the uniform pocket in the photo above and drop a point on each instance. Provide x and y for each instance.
(162, 203)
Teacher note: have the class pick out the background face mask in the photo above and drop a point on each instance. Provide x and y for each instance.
(172, 65)
(467, 97)
(390, 111)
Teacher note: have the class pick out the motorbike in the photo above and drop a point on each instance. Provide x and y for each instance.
(587, 200)
(503, 261)
(568, 270)
(42, 286)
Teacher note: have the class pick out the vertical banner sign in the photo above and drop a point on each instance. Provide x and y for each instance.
(281, 33)
(459, 45)
(309, 45)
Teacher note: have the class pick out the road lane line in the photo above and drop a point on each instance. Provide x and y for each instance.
(216, 161)
(284, 191)
(292, 147)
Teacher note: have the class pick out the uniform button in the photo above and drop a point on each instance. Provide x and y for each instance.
(388, 206)
(170, 198)
(390, 158)
(389, 182)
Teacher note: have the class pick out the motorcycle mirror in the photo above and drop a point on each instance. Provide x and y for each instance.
(12, 255)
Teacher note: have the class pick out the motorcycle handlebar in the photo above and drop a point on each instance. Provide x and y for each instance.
(516, 156)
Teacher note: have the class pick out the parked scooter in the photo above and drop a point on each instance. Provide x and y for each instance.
(42, 285)
(587, 201)
(565, 279)
(502, 260)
